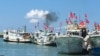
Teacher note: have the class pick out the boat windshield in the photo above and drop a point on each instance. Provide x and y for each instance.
(23, 34)
(96, 32)
(73, 32)
(51, 35)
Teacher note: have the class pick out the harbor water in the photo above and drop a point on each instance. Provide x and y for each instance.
(28, 49)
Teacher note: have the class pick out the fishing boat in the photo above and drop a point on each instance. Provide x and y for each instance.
(94, 41)
(70, 43)
(16, 36)
(73, 41)
(44, 38)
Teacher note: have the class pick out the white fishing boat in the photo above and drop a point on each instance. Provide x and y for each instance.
(44, 38)
(94, 42)
(16, 36)
(94, 39)
(72, 41)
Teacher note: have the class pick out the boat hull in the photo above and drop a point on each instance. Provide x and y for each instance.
(41, 41)
(15, 36)
(46, 43)
(49, 43)
(69, 45)
(94, 41)
(18, 41)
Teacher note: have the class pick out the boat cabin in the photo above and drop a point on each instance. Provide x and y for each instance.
(43, 33)
(73, 32)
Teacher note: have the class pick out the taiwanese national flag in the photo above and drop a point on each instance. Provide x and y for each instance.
(95, 24)
(71, 15)
(60, 24)
(85, 15)
(67, 21)
(70, 21)
(35, 26)
(87, 21)
(52, 28)
(98, 27)
(82, 23)
(45, 26)
(75, 17)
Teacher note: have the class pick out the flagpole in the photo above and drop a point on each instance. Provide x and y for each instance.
(38, 25)
(60, 27)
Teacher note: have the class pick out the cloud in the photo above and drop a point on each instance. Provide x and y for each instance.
(33, 21)
(36, 15)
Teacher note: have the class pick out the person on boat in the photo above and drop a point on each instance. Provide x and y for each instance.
(83, 29)
(84, 34)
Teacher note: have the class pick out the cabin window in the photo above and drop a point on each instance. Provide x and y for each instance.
(21, 34)
(76, 33)
(7, 33)
(73, 33)
(58, 33)
(96, 32)
(41, 30)
(51, 35)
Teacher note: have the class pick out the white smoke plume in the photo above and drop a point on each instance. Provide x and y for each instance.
(35, 15)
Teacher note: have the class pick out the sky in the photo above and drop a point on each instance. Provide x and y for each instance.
(15, 14)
